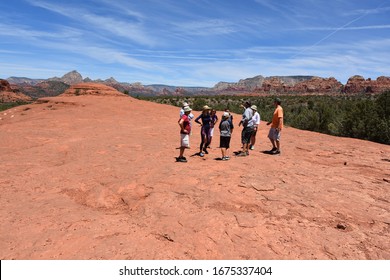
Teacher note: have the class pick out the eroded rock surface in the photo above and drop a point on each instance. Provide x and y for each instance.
(95, 177)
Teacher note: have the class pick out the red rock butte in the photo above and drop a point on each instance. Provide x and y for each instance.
(92, 89)
(8, 94)
(94, 176)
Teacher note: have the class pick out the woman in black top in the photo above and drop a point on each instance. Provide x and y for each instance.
(205, 131)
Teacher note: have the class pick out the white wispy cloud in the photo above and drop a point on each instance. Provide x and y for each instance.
(93, 21)
(121, 7)
(14, 52)
(367, 27)
(206, 27)
(71, 41)
(270, 4)
(34, 70)
(107, 55)
(377, 10)
(195, 42)
(22, 31)
(124, 29)
(104, 55)
(333, 60)
(282, 13)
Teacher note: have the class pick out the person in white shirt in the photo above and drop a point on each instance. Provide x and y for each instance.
(247, 130)
(256, 122)
(185, 104)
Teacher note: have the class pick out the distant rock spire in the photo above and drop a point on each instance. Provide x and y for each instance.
(72, 78)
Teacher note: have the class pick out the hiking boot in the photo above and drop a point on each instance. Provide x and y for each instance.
(181, 159)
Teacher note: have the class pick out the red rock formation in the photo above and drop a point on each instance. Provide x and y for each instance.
(257, 85)
(318, 85)
(315, 85)
(273, 85)
(357, 85)
(307, 85)
(4, 85)
(92, 89)
(10, 94)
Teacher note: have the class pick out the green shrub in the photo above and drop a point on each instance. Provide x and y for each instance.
(366, 117)
(9, 105)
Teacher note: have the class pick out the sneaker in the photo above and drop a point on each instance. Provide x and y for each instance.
(225, 158)
(252, 147)
(201, 154)
(181, 158)
(273, 150)
(242, 154)
(205, 151)
(276, 152)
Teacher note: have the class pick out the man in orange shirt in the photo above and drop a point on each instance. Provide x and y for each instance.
(276, 127)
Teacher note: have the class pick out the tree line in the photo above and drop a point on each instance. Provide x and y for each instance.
(364, 117)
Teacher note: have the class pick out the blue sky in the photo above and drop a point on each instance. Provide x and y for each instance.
(194, 42)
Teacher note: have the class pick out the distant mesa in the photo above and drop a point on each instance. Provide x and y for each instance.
(258, 85)
(92, 89)
(283, 85)
(305, 85)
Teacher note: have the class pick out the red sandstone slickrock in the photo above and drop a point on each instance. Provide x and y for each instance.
(94, 176)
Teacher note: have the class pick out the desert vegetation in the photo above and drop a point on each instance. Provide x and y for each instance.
(9, 105)
(360, 116)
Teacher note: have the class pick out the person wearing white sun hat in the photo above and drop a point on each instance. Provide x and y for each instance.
(185, 104)
(185, 132)
(205, 117)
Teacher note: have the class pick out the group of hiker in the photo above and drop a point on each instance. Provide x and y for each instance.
(208, 120)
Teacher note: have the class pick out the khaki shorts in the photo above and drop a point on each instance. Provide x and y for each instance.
(274, 134)
(184, 140)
